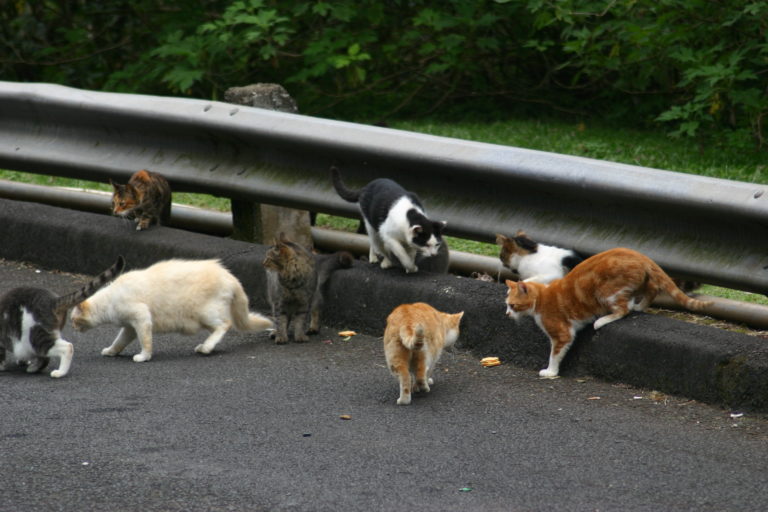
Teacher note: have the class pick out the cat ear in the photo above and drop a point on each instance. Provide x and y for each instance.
(520, 232)
(510, 283)
(501, 239)
(416, 229)
(439, 225)
(522, 288)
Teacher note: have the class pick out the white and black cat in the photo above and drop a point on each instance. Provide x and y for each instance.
(533, 261)
(397, 226)
(31, 320)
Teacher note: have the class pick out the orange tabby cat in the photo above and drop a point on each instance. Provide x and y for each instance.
(606, 286)
(414, 339)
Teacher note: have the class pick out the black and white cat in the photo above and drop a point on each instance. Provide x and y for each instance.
(397, 226)
(31, 320)
(533, 261)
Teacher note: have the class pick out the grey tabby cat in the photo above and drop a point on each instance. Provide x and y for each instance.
(31, 320)
(295, 282)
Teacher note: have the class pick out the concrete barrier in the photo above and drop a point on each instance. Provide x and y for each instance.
(649, 351)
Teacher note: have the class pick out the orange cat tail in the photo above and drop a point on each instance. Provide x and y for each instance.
(678, 295)
(412, 338)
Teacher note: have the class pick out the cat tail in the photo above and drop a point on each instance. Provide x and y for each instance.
(65, 302)
(243, 318)
(328, 263)
(345, 193)
(412, 338)
(668, 285)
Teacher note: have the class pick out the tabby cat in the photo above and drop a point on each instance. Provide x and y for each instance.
(146, 198)
(394, 218)
(170, 296)
(295, 285)
(533, 261)
(31, 320)
(606, 286)
(414, 339)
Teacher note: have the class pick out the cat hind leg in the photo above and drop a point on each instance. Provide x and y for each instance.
(422, 379)
(618, 313)
(37, 364)
(215, 337)
(64, 350)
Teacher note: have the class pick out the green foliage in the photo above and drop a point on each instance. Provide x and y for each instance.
(695, 66)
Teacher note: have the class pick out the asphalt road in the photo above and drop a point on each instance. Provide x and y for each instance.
(256, 426)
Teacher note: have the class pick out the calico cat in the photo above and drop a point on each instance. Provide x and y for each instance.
(394, 218)
(170, 296)
(414, 339)
(533, 261)
(31, 320)
(295, 283)
(146, 198)
(606, 286)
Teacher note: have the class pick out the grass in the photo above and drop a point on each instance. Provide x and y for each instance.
(647, 148)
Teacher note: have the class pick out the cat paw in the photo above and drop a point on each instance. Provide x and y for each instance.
(430, 381)
(57, 374)
(385, 263)
(142, 357)
(302, 339)
(280, 340)
(202, 349)
(423, 387)
(548, 374)
(109, 352)
(404, 400)
(412, 269)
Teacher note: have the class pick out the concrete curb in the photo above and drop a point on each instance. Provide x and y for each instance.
(704, 363)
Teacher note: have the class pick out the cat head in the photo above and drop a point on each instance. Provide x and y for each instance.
(452, 327)
(80, 317)
(280, 253)
(514, 248)
(425, 234)
(521, 298)
(124, 198)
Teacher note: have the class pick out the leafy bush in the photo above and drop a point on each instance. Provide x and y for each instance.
(694, 65)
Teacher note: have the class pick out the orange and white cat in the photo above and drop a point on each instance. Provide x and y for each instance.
(414, 339)
(606, 286)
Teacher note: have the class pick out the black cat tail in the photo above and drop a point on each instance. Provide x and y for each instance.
(345, 193)
(65, 302)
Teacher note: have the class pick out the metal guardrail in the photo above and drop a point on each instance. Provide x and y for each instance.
(710, 230)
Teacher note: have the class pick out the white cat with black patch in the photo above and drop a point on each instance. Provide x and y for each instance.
(31, 320)
(533, 261)
(397, 226)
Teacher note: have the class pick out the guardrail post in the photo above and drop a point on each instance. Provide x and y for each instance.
(261, 223)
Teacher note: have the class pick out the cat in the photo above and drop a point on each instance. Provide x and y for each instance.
(414, 339)
(397, 226)
(170, 296)
(146, 198)
(605, 286)
(533, 261)
(31, 320)
(295, 283)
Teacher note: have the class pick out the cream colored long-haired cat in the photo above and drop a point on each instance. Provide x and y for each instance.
(606, 286)
(414, 339)
(171, 296)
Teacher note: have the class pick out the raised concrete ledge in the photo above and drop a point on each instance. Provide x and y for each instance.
(704, 363)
